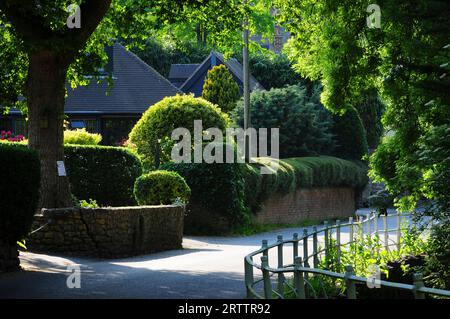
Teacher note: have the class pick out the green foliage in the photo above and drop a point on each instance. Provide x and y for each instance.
(220, 88)
(405, 61)
(102, 172)
(81, 137)
(19, 190)
(159, 121)
(301, 172)
(350, 135)
(370, 111)
(161, 53)
(88, 204)
(233, 191)
(437, 261)
(217, 197)
(161, 188)
(273, 70)
(305, 125)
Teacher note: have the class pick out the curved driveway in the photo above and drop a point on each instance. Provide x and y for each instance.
(207, 267)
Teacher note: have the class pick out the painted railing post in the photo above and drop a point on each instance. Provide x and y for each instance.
(315, 257)
(399, 231)
(280, 265)
(418, 283)
(305, 246)
(248, 277)
(350, 225)
(266, 277)
(264, 246)
(350, 284)
(375, 222)
(299, 282)
(338, 243)
(295, 245)
(325, 233)
(386, 232)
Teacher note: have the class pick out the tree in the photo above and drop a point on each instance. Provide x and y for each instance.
(220, 88)
(405, 60)
(43, 53)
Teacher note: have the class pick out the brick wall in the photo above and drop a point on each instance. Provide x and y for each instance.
(108, 232)
(313, 204)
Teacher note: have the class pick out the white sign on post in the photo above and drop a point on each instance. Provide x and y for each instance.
(61, 168)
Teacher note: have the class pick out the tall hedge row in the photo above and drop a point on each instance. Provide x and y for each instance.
(103, 173)
(19, 190)
(224, 195)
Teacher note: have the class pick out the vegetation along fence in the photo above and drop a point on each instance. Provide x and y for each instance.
(321, 247)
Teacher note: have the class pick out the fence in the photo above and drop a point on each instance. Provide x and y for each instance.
(333, 239)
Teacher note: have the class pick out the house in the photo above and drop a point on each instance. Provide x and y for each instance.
(194, 77)
(113, 110)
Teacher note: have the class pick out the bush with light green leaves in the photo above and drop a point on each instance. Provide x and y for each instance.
(161, 188)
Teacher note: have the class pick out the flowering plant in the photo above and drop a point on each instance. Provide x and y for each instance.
(9, 136)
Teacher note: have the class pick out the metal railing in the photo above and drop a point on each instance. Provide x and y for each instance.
(332, 239)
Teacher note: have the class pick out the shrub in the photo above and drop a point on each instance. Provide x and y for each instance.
(161, 188)
(217, 203)
(161, 119)
(220, 88)
(104, 173)
(350, 135)
(224, 195)
(303, 122)
(81, 137)
(19, 190)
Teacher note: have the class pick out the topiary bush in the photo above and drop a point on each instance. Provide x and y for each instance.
(350, 135)
(161, 188)
(104, 173)
(217, 203)
(81, 137)
(158, 122)
(220, 88)
(305, 125)
(19, 191)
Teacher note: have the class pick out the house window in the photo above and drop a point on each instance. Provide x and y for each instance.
(89, 124)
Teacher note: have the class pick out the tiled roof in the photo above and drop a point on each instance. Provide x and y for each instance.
(232, 64)
(182, 71)
(136, 86)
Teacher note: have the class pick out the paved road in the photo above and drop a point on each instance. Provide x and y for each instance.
(207, 267)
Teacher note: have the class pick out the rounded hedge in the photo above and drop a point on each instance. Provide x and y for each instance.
(161, 188)
(19, 190)
(159, 121)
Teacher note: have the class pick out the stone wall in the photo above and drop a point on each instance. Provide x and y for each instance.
(307, 204)
(9, 257)
(108, 232)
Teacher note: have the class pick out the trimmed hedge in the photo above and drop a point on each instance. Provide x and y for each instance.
(104, 173)
(159, 121)
(19, 190)
(224, 195)
(161, 188)
(81, 137)
(302, 172)
(217, 202)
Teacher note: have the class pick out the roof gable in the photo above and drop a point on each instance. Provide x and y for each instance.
(136, 86)
(215, 58)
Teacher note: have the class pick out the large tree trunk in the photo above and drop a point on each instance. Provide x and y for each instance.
(46, 95)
